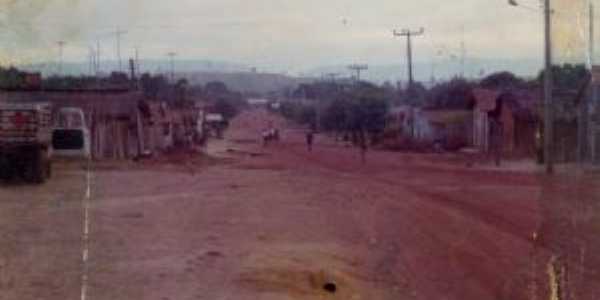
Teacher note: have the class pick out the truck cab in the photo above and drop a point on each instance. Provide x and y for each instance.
(71, 136)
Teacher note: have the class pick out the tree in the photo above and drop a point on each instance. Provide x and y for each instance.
(454, 94)
(225, 108)
(414, 94)
(567, 76)
(216, 88)
(502, 80)
(11, 78)
(153, 86)
(335, 115)
(181, 89)
(362, 109)
(118, 78)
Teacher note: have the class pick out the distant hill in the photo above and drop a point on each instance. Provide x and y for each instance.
(474, 68)
(242, 78)
(248, 81)
(146, 65)
(237, 77)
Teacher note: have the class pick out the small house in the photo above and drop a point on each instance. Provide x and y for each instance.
(451, 128)
(400, 120)
(517, 112)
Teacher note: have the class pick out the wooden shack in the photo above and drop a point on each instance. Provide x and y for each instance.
(110, 116)
(517, 111)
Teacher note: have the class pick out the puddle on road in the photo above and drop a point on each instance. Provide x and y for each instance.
(304, 273)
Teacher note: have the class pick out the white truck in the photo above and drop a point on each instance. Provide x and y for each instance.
(25, 141)
(71, 136)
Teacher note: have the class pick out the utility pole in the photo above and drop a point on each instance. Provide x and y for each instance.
(132, 73)
(61, 45)
(172, 62)
(463, 52)
(592, 49)
(592, 104)
(137, 59)
(118, 33)
(409, 34)
(358, 68)
(92, 60)
(584, 126)
(98, 69)
(548, 103)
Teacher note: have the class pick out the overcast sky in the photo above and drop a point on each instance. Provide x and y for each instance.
(281, 34)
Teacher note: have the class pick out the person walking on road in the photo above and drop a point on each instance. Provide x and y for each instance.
(309, 139)
(362, 144)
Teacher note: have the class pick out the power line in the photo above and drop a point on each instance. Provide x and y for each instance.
(409, 34)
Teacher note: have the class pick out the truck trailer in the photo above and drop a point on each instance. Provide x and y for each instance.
(25, 141)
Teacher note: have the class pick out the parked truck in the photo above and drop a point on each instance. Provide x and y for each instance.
(71, 135)
(25, 141)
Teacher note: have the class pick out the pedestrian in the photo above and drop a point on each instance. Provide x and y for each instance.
(309, 139)
(265, 137)
(362, 142)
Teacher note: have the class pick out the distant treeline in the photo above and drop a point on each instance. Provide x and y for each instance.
(363, 107)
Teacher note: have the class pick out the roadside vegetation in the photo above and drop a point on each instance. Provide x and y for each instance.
(350, 108)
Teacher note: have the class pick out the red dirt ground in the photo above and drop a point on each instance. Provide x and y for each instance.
(278, 222)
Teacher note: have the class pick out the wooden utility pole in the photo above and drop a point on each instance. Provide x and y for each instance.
(61, 46)
(172, 62)
(593, 104)
(358, 68)
(548, 103)
(584, 125)
(409, 34)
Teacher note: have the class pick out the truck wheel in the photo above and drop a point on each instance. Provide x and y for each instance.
(5, 169)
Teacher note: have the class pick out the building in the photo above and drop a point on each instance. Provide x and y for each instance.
(425, 128)
(449, 128)
(110, 115)
(163, 128)
(400, 119)
(516, 111)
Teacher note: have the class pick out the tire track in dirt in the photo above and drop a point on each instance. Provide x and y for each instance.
(425, 193)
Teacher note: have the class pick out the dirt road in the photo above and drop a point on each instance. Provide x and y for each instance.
(276, 222)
